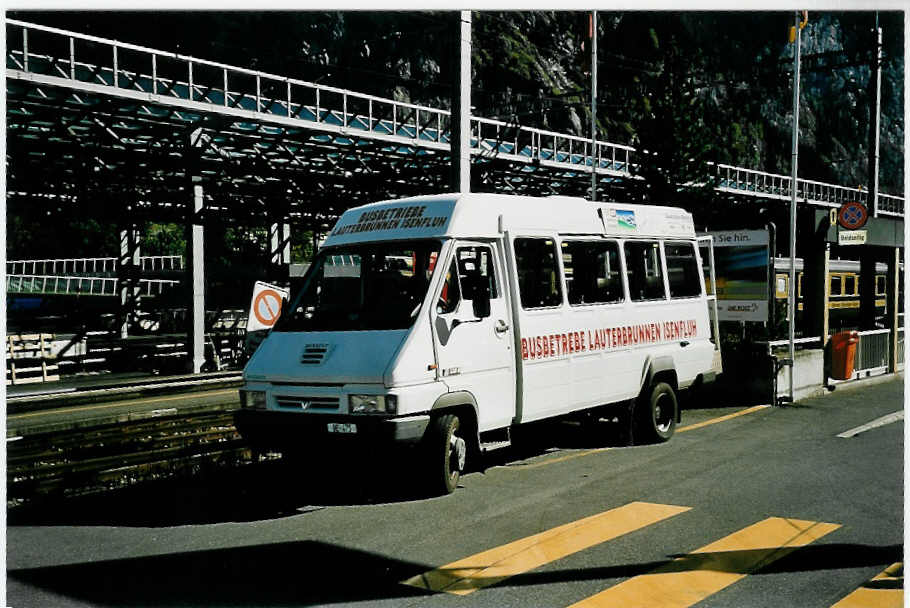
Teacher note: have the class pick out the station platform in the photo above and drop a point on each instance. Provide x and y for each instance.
(77, 383)
(77, 390)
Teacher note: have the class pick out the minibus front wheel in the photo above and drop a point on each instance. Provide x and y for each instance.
(656, 413)
(447, 451)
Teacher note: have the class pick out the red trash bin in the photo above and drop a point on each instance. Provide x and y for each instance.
(843, 354)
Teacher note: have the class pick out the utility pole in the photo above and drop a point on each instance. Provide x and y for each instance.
(875, 116)
(195, 256)
(595, 160)
(460, 126)
(794, 167)
(868, 255)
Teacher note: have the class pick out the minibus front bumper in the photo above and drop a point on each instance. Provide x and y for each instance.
(267, 428)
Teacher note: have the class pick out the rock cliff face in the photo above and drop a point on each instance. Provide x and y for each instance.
(838, 100)
(706, 86)
(684, 86)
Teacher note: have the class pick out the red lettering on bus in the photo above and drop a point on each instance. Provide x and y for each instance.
(603, 338)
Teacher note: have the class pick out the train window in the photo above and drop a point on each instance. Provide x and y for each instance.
(836, 284)
(880, 285)
(782, 286)
(850, 285)
(799, 285)
(682, 270)
(539, 284)
(646, 281)
(592, 272)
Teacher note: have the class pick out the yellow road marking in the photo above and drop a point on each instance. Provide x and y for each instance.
(490, 567)
(885, 590)
(543, 463)
(699, 425)
(87, 408)
(682, 429)
(692, 578)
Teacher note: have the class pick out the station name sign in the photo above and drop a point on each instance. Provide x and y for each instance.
(853, 237)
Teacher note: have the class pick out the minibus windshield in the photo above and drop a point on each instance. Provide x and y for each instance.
(363, 287)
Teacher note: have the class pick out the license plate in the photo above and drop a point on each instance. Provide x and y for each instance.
(340, 427)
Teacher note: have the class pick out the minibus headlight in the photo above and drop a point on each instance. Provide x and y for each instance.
(254, 400)
(374, 404)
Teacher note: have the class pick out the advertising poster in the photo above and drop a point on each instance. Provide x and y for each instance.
(741, 261)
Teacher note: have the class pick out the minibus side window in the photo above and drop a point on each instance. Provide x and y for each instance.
(539, 284)
(705, 250)
(646, 281)
(592, 272)
(475, 267)
(682, 270)
(450, 294)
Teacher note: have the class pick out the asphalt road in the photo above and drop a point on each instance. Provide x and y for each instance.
(765, 508)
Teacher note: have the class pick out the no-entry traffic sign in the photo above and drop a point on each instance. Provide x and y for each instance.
(852, 215)
(266, 306)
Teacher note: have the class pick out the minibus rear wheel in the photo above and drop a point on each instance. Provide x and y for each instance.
(656, 413)
(447, 453)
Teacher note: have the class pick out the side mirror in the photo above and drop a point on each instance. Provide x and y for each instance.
(481, 301)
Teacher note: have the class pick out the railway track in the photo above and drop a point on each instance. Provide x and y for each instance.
(59, 397)
(112, 455)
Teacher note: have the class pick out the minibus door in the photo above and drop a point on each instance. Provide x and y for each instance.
(706, 247)
(474, 342)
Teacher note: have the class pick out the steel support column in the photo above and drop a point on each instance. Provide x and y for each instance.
(461, 106)
(892, 305)
(867, 284)
(815, 286)
(875, 111)
(595, 160)
(128, 277)
(195, 266)
(280, 250)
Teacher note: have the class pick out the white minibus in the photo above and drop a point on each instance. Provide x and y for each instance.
(444, 321)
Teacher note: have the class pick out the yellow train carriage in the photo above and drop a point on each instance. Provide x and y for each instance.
(843, 289)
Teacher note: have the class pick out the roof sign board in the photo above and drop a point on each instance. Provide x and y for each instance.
(643, 220)
(481, 215)
(405, 220)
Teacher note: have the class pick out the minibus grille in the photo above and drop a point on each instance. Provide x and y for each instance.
(313, 354)
(307, 403)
